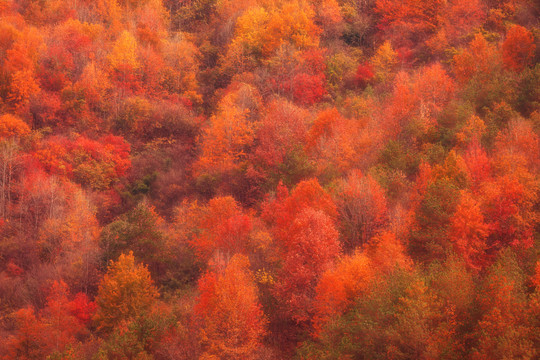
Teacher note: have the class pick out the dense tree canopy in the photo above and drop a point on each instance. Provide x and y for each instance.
(259, 179)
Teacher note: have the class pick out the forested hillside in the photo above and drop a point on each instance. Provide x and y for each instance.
(269, 179)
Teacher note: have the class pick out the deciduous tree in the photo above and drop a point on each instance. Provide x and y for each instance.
(310, 248)
(225, 141)
(518, 48)
(140, 231)
(126, 292)
(503, 330)
(362, 208)
(469, 231)
(232, 321)
(223, 229)
(12, 126)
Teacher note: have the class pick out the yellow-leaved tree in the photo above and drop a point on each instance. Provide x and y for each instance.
(124, 52)
(225, 141)
(126, 292)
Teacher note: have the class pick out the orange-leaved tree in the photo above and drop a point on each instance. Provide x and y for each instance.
(224, 143)
(310, 248)
(223, 230)
(126, 292)
(469, 231)
(232, 322)
(12, 126)
(518, 48)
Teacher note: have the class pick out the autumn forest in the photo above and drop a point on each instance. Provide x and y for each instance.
(269, 179)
